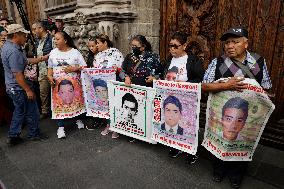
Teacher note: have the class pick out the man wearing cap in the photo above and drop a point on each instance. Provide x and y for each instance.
(59, 23)
(236, 63)
(18, 88)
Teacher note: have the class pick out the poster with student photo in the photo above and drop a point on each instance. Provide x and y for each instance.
(67, 96)
(235, 122)
(131, 110)
(95, 90)
(176, 114)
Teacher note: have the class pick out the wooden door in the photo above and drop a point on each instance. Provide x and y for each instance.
(206, 20)
(3, 7)
(32, 11)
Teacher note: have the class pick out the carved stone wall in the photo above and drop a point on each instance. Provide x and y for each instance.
(119, 19)
(100, 16)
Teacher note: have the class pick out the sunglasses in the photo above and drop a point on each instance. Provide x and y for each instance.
(174, 46)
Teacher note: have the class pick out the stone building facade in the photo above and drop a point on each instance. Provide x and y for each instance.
(119, 19)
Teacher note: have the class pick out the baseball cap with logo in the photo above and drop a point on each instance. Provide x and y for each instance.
(14, 28)
(235, 32)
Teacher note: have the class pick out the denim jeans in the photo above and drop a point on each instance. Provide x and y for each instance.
(60, 123)
(26, 111)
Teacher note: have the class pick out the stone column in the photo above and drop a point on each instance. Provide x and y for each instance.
(100, 16)
(42, 5)
(108, 28)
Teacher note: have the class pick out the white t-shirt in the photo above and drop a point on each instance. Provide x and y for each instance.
(180, 63)
(68, 58)
(108, 58)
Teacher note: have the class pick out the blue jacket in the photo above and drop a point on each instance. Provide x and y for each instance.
(47, 47)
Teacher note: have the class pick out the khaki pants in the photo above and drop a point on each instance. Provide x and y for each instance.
(44, 88)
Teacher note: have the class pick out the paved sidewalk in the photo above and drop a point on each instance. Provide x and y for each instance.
(87, 160)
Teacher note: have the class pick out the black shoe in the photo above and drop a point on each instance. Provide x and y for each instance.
(191, 159)
(235, 184)
(39, 137)
(90, 127)
(13, 141)
(217, 177)
(43, 116)
(131, 139)
(174, 153)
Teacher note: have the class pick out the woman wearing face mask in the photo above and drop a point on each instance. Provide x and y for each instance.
(142, 65)
(108, 57)
(182, 67)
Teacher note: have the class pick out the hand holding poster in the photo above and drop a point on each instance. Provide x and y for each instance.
(130, 110)
(235, 122)
(67, 95)
(176, 114)
(95, 91)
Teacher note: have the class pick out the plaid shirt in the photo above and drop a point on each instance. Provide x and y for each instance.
(209, 76)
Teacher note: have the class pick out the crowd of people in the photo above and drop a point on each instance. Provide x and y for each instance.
(140, 67)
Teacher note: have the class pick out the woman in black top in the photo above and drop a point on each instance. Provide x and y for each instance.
(182, 67)
(142, 65)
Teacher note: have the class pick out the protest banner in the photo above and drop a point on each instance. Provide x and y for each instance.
(131, 109)
(95, 91)
(176, 114)
(67, 96)
(235, 122)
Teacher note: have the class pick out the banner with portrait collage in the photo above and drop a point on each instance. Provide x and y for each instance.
(67, 96)
(235, 122)
(95, 91)
(130, 109)
(176, 114)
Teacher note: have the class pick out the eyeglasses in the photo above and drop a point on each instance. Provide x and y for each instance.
(174, 46)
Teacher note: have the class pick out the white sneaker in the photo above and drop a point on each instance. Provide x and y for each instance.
(61, 132)
(80, 124)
